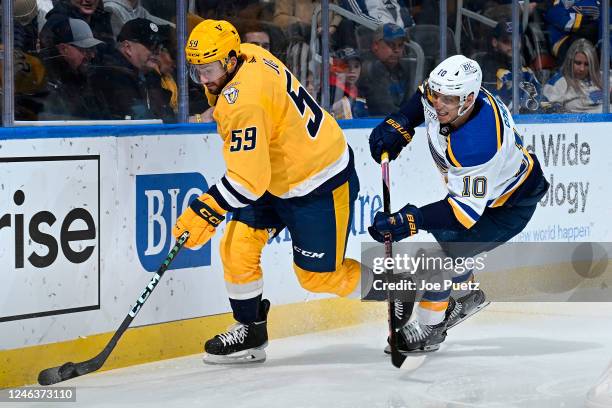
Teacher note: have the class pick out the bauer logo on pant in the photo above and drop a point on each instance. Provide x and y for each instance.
(160, 198)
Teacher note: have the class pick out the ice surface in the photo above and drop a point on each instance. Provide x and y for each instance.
(528, 355)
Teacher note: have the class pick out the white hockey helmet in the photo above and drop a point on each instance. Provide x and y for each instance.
(457, 76)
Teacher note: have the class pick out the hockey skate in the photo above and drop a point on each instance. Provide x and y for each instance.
(457, 311)
(415, 337)
(420, 338)
(464, 307)
(242, 343)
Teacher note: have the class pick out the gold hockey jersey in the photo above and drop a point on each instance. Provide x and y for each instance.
(276, 137)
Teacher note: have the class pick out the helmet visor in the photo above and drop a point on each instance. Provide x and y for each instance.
(205, 73)
(450, 101)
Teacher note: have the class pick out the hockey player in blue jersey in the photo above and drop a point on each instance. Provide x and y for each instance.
(493, 185)
(570, 20)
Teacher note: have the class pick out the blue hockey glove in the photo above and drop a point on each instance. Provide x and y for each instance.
(401, 224)
(391, 135)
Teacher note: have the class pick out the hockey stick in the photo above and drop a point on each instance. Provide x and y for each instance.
(397, 358)
(70, 370)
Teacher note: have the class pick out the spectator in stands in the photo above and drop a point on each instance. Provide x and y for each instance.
(161, 8)
(295, 16)
(123, 11)
(29, 72)
(265, 34)
(381, 11)
(163, 63)
(344, 94)
(496, 67)
(569, 20)
(32, 11)
(385, 78)
(261, 10)
(126, 89)
(578, 85)
(254, 32)
(67, 47)
(25, 14)
(92, 12)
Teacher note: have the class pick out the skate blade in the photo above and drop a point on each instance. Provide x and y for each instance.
(472, 313)
(426, 349)
(249, 356)
(412, 362)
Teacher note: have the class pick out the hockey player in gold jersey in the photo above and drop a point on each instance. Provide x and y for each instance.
(288, 166)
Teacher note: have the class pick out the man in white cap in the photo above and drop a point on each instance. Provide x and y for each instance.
(25, 13)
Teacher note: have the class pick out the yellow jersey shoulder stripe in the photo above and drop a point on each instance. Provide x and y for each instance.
(498, 119)
(451, 155)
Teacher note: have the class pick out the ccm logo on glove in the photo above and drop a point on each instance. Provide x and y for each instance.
(209, 215)
(201, 219)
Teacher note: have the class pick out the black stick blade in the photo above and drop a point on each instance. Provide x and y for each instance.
(397, 358)
(54, 375)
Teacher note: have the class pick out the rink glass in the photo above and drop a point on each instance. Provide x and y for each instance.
(470, 32)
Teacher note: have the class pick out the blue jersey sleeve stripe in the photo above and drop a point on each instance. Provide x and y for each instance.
(466, 221)
(524, 167)
(439, 160)
(469, 210)
(461, 215)
(498, 120)
(504, 197)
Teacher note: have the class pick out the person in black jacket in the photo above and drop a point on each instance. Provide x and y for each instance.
(128, 86)
(67, 47)
(28, 69)
(92, 12)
